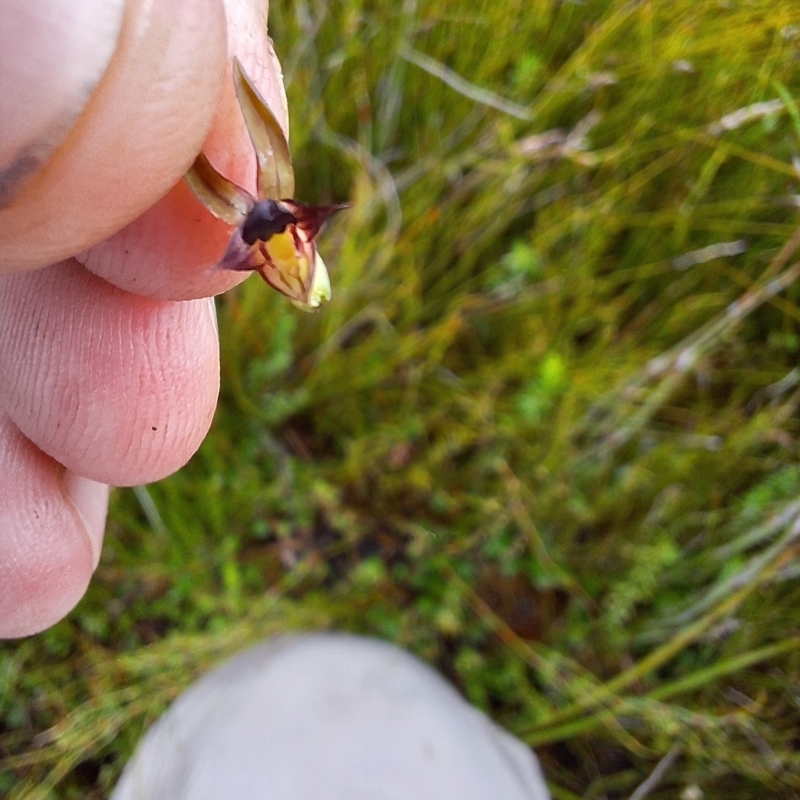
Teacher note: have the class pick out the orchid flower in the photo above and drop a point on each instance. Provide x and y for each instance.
(274, 235)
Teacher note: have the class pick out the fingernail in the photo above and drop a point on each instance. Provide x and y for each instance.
(90, 502)
(212, 308)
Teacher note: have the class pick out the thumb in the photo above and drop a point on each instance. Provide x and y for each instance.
(141, 127)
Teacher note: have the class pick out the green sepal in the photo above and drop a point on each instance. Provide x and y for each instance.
(275, 171)
(224, 199)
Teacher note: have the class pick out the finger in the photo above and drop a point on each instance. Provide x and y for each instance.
(136, 136)
(169, 250)
(51, 531)
(118, 388)
(52, 56)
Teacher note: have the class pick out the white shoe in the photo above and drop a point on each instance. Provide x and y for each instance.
(327, 717)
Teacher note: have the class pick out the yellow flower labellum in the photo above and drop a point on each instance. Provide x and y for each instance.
(274, 235)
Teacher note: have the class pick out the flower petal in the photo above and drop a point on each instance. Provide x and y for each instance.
(224, 199)
(275, 172)
(311, 218)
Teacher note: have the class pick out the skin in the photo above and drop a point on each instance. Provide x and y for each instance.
(107, 379)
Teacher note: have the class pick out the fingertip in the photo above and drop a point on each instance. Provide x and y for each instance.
(51, 530)
(136, 136)
(168, 252)
(118, 388)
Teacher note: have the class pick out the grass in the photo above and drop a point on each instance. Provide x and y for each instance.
(545, 436)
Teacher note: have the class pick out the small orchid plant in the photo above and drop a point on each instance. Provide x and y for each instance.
(274, 234)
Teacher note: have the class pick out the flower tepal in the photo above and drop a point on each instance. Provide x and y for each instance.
(274, 235)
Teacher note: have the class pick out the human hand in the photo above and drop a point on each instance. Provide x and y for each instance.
(107, 380)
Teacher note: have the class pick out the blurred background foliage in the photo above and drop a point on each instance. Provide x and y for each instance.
(545, 434)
